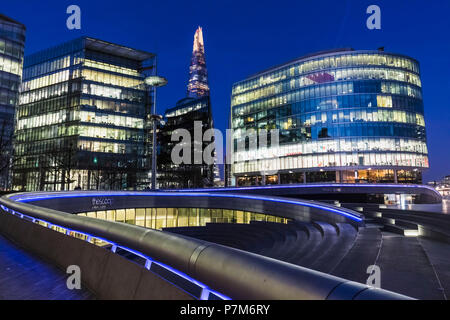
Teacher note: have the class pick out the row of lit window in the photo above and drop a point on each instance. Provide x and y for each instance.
(110, 67)
(46, 119)
(330, 76)
(115, 106)
(11, 49)
(103, 146)
(44, 93)
(47, 106)
(332, 131)
(45, 146)
(334, 145)
(109, 133)
(310, 119)
(112, 79)
(46, 132)
(340, 89)
(47, 67)
(158, 218)
(299, 68)
(74, 115)
(110, 119)
(368, 101)
(10, 65)
(44, 81)
(332, 160)
(181, 111)
(114, 93)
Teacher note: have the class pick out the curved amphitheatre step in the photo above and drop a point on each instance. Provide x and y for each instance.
(329, 238)
(239, 240)
(335, 253)
(281, 245)
(294, 238)
(314, 239)
(240, 236)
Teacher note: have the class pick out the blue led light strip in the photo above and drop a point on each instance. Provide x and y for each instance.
(46, 196)
(205, 289)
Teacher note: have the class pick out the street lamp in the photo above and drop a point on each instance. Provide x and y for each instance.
(154, 81)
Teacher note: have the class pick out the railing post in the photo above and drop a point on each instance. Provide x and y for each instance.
(205, 294)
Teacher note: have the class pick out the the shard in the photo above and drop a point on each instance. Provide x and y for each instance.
(198, 74)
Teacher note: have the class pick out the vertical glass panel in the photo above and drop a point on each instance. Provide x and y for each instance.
(154, 218)
(111, 215)
(160, 218)
(140, 217)
(101, 215)
(247, 217)
(239, 216)
(91, 214)
(228, 216)
(120, 215)
(194, 217)
(183, 217)
(205, 216)
(148, 217)
(130, 216)
(171, 217)
(216, 216)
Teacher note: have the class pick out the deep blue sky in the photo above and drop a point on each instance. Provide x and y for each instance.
(243, 37)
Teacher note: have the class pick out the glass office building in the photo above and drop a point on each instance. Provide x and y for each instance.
(81, 118)
(12, 41)
(184, 116)
(342, 115)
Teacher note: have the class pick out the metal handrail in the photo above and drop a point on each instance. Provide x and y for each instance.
(231, 272)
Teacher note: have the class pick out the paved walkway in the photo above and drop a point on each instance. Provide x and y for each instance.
(413, 266)
(23, 276)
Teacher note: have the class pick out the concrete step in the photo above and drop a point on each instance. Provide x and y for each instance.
(335, 253)
(404, 231)
(314, 239)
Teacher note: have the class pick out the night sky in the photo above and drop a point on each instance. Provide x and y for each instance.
(243, 37)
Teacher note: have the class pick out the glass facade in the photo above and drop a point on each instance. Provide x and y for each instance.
(159, 218)
(339, 114)
(81, 118)
(183, 116)
(12, 41)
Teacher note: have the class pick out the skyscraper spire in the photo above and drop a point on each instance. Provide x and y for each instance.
(198, 74)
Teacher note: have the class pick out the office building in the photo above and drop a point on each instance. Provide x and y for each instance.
(344, 115)
(12, 41)
(81, 122)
